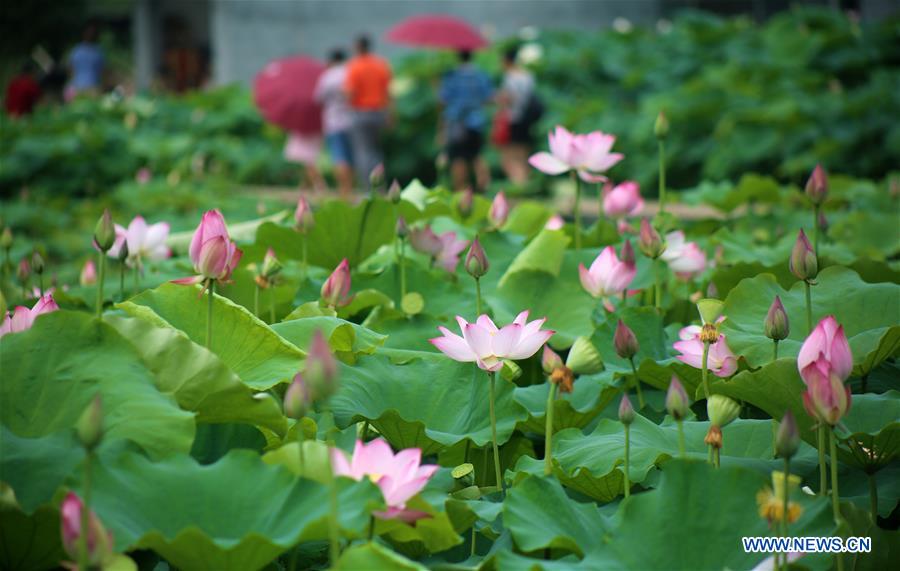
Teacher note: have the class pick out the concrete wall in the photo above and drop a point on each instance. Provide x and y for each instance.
(248, 34)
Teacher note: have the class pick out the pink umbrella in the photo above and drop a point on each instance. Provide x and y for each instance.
(437, 31)
(283, 92)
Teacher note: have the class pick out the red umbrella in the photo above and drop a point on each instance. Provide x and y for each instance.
(437, 31)
(283, 92)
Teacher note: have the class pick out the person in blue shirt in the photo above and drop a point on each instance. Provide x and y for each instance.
(464, 93)
(86, 64)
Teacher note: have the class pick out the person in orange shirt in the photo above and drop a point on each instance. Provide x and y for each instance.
(368, 78)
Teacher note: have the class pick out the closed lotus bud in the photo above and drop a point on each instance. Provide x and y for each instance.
(625, 342)
(466, 202)
(6, 239)
(376, 177)
(710, 309)
(650, 242)
(394, 192)
(123, 252)
(817, 186)
(584, 358)
(23, 270)
(787, 441)
(499, 211)
(804, 264)
(476, 260)
(88, 274)
(777, 326)
(627, 254)
(677, 402)
(626, 411)
(270, 265)
(303, 216)
(722, 410)
(661, 127)
(321, 368)
(822, 222)
(89, 427)
(99, 541)
(297, 398)
(550, 360)
(401, 228)
(105, 232)
(37, 262)
(336, 289)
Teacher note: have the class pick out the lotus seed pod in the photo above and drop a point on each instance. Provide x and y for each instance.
(584, 358)
(722, 410)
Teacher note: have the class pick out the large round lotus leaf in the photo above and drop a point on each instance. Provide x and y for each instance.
(590, 395)
(197, 378)
(545, 253)
(245, 344)
(345, 338)
(868, 313)
(239, 513)
(375, 556)
(593, 464)
(52, 371)
(429, 401)
(35, 467)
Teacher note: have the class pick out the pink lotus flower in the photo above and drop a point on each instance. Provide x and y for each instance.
(303, 215)
(444, 249)
(99, 541)
(555, 222)
(587, 154)
(607, 276)
(213, 253)
(336, 289)
(88, 274)
(686, 259)
(23, 318)
(485, 344)
(622, 200)
(145, 242)
(825, 351)
(499, 211)
(399, 476)
(721, 361)
(826, 398)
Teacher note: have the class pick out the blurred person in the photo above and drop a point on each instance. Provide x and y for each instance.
(368, 78)
(337, 119)
(304, 150)
(86, 63)
(23, 92)
(521, 107)
(464, 92)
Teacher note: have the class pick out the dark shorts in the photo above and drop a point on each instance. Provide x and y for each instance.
(467, 146)
(339, 147)
(520, 133)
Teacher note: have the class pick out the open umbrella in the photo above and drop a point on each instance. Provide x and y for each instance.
(437, 31)
(283, 92)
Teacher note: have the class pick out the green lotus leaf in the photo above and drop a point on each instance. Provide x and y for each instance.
(544, 253)
(30, 542)
(345, 338)
(36, 467)
(375, 556)
(259, 356)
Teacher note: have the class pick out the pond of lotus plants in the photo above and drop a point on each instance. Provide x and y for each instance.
(442, 380)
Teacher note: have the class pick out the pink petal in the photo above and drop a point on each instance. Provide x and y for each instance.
(453, 346)
(521, 318)
(587, 281)
(547, 163)
(506, 339)
(528, 346)
(487, 323)
(339, 464)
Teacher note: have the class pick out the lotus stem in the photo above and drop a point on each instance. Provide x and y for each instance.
(121, 281)
(402, 269)
(774, 437)
(681, 448)
(775, 350)
(577, 210)
(209, 314)
(835, 496)
(496, 449)
(83, 549)
(823, 472)
(717, 453)
(809, 320)
(477, 297)
(662, 177)
(137, 279)
(305, 265)
(256, 301)
(704, 371)
(548, 431)
(300, 439)
(627, 454)
(784, 499)
(101, 264)
(873, 497)
(334, 548)
(472, 550)
(658, 284)
(816, 229)
(637, 385)
(271, 304)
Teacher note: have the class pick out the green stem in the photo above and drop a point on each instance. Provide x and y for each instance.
(121, 281)
(137, 278)
(477, 297)
(816, 229)
(627, 455)
(809, 320)
(300, 440)
(101, 264)
(334, 549)
(365, 431)
(472, 550)
(784, 499)
(256, 301)
(662, 177)
(705, 370)
(637, 385)
(681, 448)
(548, 431)
(305, 266)
(496, 449)
(873, 497)
(577, 209)
(709, 454)
(658, 284)
(774, 438)
(823, 472)
(835, 495)
(716, 457)
(83, 554)
(402, 269)
(209, 314)
(271, 304)
(775, 350)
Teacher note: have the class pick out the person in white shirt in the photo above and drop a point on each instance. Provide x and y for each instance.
(337, 119)
(517, 99)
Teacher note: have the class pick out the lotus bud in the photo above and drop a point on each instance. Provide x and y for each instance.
(89, 427)
(776, 325)
(394, 191)
(270, 265)
(722, 410)
(822, 222)
(627, 254)
(335, 291)
(650, 242)
(584, 358)
(37, 262)
(625, 342)
(661, 127)
(321, 368)
(827, 399)
(787, 440)
(476, 260)
(297, 398)
(677, 402)
(550, 360)
(466, 202)
(88, 274)
(303, 216)
(564, 378)
(710, 309)
(401, 228)
(499, 211)
(376, 177)
(804, 263)
(99, 541)
(6, 239)
(817, 186)
(23, 270)
(626, 411)
(105, 232)
(123, 252)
